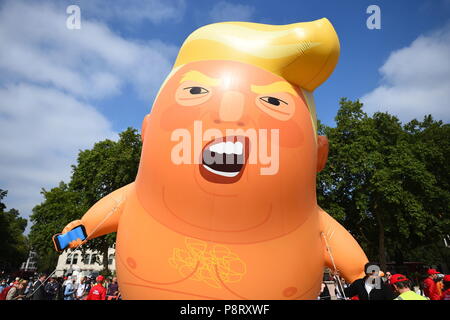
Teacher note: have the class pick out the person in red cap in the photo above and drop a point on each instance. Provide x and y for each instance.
(402, 286)
(446, 293)
(97, 292)
(429, 286)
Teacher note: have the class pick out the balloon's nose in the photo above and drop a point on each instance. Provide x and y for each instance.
(231, 106)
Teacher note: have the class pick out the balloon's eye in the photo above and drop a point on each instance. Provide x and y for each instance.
(273, 101)
(196, 90)
(280, 105)
(191, 93)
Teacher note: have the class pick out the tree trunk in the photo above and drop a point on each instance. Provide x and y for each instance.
(105, 256)
(399, 257)
(381, 248)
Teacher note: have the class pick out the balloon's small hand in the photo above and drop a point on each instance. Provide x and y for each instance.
(61, 241)
(72, 225)
(76, 243)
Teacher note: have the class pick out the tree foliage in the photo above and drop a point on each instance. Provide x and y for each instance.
(109, 165)
(61, 205)
(385, 182)
(14, 245)
(101, 170)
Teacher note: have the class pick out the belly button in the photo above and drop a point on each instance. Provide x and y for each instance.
(288, 292)
(131, 263)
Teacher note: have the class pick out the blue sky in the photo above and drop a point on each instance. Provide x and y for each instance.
(62, 90)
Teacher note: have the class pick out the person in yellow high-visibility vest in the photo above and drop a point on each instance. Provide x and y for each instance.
(402, 285)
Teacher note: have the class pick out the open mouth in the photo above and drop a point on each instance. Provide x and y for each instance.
(224, 159)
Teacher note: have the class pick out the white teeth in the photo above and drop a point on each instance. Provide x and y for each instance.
(238, 147)
(221, 173)
(227, 147)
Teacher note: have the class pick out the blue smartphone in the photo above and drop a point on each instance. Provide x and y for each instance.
(62, 240)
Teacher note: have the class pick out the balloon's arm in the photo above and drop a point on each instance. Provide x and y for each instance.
(102, 218)
(341, 250)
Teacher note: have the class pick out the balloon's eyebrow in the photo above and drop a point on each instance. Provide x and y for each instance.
(279, 86)
(197, 76)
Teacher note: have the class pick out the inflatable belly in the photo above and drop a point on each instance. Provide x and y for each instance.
(154, 262)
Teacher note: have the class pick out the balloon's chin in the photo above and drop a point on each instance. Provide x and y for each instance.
(220, 218)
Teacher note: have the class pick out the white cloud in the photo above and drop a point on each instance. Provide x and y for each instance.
(41, 132)
(227, 11)
(92, 62)
(416, 80)
(155, 11)
(51, 79)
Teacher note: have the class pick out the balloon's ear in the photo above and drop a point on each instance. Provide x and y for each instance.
(144, 126)
(322, 152)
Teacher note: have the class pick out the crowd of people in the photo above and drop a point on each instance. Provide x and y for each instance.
(59, 288)
(377, 285)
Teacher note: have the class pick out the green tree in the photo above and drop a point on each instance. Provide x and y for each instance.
(431, 145)
(379, 182)
(60, 205)
(14, 245)
(99, 171)
(109, 165)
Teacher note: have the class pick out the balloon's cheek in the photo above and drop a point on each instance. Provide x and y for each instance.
(175, 117)
(290, 133)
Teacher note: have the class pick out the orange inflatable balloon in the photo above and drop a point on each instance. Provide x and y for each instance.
(224, 204)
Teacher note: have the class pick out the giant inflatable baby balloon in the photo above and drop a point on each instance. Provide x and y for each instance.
(224, 203)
